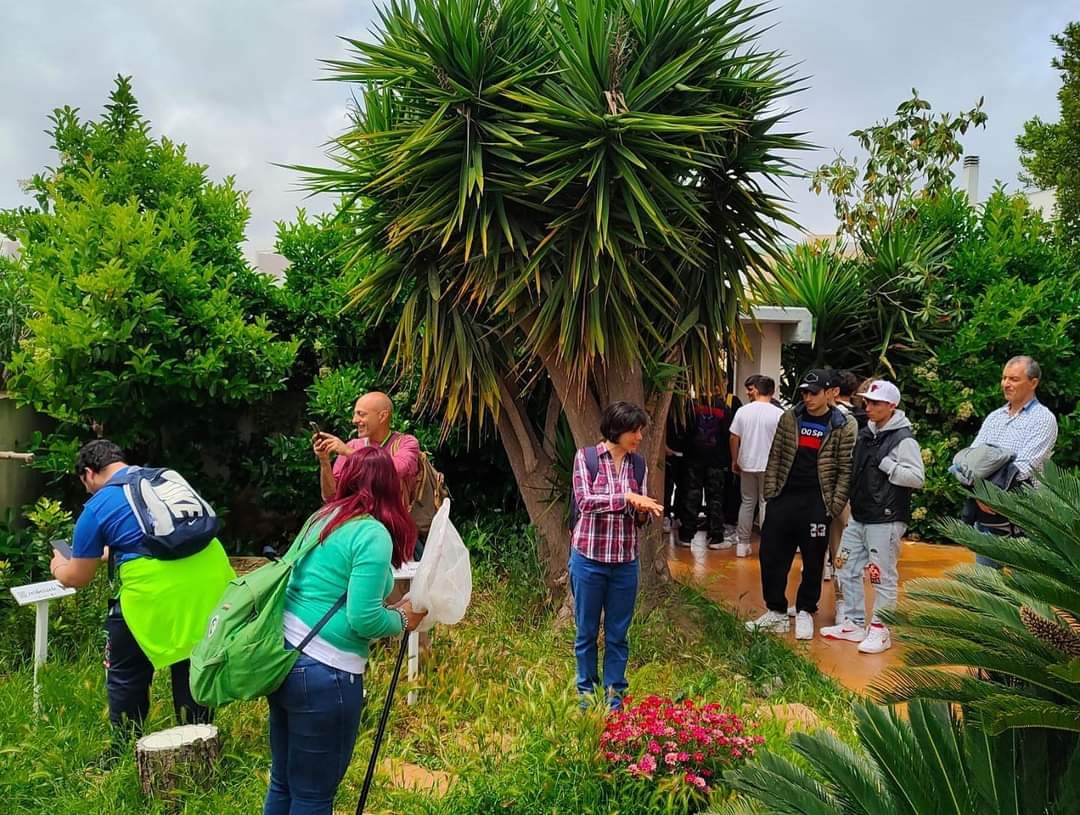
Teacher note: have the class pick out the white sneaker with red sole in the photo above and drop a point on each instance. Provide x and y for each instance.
(847, 630)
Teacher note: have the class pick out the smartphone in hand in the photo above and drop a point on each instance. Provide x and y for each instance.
(315, 428)
(62, 547)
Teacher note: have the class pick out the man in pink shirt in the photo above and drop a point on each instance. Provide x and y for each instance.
(371, 418)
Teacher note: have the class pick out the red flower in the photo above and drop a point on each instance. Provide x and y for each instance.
(657, 737)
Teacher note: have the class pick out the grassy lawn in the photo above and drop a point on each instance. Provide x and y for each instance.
(496, 709)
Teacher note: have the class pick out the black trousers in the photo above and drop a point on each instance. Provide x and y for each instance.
(700, 476)
(673, 477)
(793, 521)
(128, 674)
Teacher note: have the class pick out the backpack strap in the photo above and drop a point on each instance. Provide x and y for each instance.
(121, 480)
(638, 462)
(592, 461)
(323, 621)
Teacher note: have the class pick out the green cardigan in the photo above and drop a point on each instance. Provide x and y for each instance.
(356, 556)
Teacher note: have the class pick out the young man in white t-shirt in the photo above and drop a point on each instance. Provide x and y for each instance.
(752, 432)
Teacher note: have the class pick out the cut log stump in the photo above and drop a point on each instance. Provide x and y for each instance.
(168, 756)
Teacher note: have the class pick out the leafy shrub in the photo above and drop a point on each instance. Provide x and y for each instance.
(14, 308)
(1009, 291)
(657, 738)
(133, 261)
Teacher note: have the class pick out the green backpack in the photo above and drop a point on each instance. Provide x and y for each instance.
(243, 654)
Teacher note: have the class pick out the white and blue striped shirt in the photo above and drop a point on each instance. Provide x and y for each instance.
(1030, 434)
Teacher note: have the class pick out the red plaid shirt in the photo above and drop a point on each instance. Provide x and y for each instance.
(605, 531)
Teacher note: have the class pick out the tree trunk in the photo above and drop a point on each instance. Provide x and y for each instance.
(655, 574)
(534, 471)
(533, 465)
(168, 757)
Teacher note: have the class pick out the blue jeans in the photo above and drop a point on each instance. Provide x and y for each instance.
(609, 589)
(314, 719)
(983, 560)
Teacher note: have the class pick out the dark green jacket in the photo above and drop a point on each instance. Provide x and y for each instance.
(834, 459)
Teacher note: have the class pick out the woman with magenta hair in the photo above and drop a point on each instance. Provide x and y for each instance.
(315, 714)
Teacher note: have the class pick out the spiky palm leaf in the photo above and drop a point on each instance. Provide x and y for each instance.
(931, 762)
(577, 180)
(820, 279)
(1013, 633)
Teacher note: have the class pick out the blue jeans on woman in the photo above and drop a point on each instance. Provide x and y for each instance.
(609, 589)
(314, 719)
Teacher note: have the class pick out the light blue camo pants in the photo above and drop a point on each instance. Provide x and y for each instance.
(875, 548)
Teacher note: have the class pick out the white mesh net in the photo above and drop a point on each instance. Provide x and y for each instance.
(443, 581)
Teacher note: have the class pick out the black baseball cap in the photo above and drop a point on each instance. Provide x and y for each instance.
(818, 379)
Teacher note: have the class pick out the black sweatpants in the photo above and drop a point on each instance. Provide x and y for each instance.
(698, 477)
(128, 674)
(793, 521)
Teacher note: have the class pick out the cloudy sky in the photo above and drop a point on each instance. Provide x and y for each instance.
(236, 80)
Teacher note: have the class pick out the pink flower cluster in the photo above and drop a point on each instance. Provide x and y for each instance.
(658, 737)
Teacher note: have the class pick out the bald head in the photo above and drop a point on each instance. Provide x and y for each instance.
(371, 416)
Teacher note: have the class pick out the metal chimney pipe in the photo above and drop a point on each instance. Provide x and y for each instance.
(971, 179)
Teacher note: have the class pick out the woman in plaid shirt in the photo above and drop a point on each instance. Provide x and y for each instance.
(604, 548)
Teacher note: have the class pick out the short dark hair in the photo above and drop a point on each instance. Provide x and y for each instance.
(765, 385)
(752, 381)
(847, 382)
(622, 417)
(96, 455)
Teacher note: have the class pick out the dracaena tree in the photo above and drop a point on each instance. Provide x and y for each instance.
(566, 200)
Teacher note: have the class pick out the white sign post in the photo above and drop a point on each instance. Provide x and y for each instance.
(407, 571)
(39, 594)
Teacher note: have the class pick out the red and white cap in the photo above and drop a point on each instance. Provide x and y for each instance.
(881, 390)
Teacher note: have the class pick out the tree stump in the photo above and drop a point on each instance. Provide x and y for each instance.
(166, 757)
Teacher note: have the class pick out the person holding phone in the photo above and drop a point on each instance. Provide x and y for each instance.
(162, 606)
(371, 417)
(62, 548)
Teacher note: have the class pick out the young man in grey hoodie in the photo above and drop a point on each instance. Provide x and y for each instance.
(887, 468)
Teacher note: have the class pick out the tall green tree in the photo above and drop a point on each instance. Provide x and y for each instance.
(908, 157)
(567, 196)
(1050, 151)
(133, 261)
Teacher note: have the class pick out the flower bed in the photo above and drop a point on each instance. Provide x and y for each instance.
(657, 738)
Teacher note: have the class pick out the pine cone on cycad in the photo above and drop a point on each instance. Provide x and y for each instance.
(1062, 633)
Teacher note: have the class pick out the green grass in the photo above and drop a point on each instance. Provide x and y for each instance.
(497, 709)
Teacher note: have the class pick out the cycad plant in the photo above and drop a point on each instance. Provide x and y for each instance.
(927, 761)
(565, 197)
(1005, 643)
(991, 677)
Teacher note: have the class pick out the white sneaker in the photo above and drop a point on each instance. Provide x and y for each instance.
(877, 640)
(771, 621)
(847, 630)
(804, 626)
(719, 543)
(742, 550)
